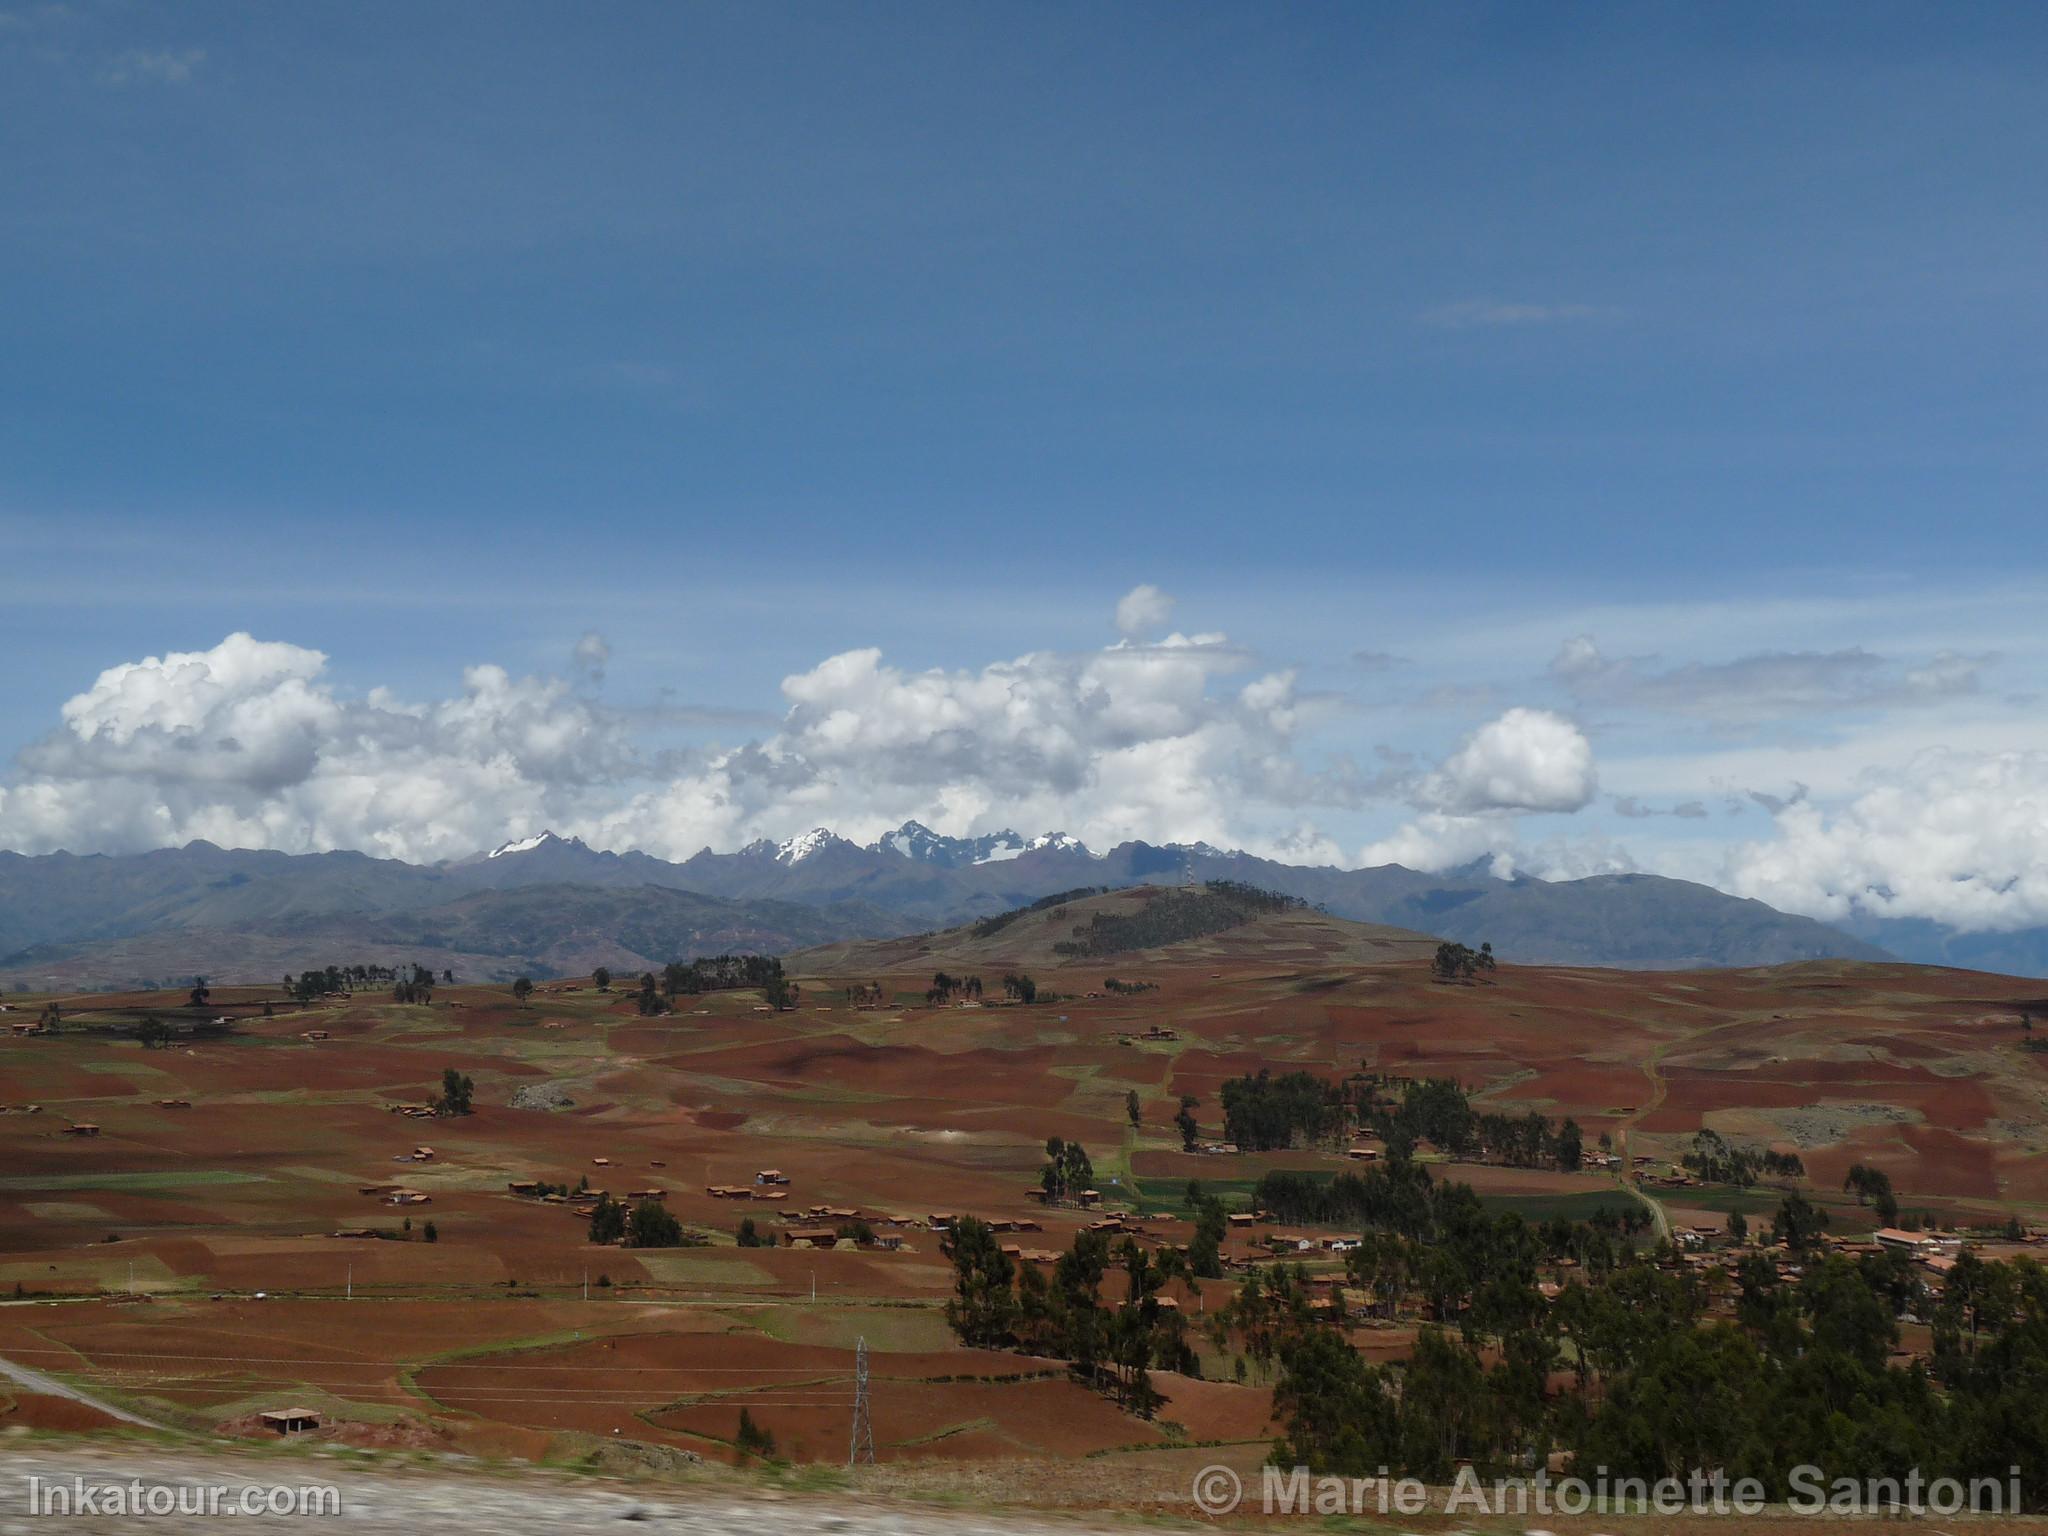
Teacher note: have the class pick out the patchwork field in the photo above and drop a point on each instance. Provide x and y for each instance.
(199, 1262)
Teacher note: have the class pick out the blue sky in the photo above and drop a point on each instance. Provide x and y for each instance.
(428, 337)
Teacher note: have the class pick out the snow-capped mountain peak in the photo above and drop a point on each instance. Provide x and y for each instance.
(916, 841)
(801, 847)
(1059, 842)
(911, 840)
(523, 845)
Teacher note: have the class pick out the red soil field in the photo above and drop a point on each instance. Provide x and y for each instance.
(895, 1112)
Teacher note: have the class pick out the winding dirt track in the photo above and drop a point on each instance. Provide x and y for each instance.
(50, 1386)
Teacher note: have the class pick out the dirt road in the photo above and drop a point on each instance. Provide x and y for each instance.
(50, 1386)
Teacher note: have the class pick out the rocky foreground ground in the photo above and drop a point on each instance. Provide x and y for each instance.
(429, 1500)
(443, 1495)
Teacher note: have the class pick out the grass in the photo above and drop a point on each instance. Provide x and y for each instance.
(1156, 1196)
(98, 1268)
(697, 1266)
(1162, 1197)
(1751, 1202)
(810, 1477)
(964, 1427)
(158, 1180)
(1541, 1208)
(896, 1330)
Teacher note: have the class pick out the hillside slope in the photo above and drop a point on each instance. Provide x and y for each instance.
(62, 907)
(1107, 932)
(538, 930)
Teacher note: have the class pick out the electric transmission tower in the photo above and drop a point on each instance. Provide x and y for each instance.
(863, 1447)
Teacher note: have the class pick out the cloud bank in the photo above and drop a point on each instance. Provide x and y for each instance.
(1959, 837)
(1167, 737)
(1765, 686)
(251, 743)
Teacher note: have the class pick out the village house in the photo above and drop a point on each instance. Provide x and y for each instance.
(81, 1130)
(771, 1176)
(290, 1421)
(811, 1237)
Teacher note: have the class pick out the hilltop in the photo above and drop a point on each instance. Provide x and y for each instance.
(1094, 929)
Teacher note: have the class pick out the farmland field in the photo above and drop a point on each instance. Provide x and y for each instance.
(511, 1335)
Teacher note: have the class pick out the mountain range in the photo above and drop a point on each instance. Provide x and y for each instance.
(544, 904)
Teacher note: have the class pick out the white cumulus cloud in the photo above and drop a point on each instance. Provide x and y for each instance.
(1958, 837)
(1527, 760)
(1175, 737)
(1143, 608)
(252, 743)
(248, 744)
(1129, 741)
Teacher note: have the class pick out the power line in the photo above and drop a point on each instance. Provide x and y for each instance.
(863, 1446)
